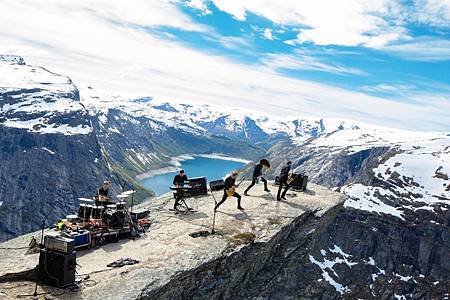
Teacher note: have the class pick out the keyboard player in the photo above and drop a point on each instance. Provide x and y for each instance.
(178, 181)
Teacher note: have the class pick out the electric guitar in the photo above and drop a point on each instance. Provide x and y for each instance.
(290, 178)
(232, 189)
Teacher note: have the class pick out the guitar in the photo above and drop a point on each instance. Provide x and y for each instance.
(232, 189)
(290, 178)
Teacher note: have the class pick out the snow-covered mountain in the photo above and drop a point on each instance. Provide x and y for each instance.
(387, 170)
(391, 236)
(48, 151)
(38, 100)
(201, 119)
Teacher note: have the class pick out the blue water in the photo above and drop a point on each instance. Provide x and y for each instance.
(210, 168)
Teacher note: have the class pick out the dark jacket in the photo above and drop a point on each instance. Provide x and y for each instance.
(102, 192)
(179, 180)
(285, 172)
(229, 182)
(258, 170)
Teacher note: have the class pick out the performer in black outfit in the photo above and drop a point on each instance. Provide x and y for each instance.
(102, 197)
(284, 175)
(257, 173)
(179, 180)
(230, 185)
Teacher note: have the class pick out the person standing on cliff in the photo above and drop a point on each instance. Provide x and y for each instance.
(284, 176)
(230, 191)
(179, 180)
(257, 175)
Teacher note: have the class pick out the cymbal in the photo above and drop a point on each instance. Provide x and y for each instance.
(128, 193)
(122, 196)
(86, 199)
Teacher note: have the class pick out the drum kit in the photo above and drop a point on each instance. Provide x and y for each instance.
(112, 214)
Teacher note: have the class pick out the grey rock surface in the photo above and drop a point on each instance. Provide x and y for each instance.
(167, 250)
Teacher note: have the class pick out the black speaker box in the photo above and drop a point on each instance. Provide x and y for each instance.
(56, 268)
(300, 183)
(217, 185)
(198, 187)
(139, 213)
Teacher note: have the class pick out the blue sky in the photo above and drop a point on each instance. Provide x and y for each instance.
(377, 71)
(383, 62)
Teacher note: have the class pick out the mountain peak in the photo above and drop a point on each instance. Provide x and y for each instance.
(12, 59)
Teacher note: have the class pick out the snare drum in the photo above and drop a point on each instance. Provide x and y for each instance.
(121, 205)
(111, 206)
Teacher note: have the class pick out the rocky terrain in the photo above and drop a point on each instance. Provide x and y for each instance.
(394, 228)
(50, 155)
(167, 250)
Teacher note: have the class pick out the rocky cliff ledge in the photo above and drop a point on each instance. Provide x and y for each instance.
(175, 265)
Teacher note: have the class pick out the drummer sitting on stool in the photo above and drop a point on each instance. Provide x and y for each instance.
(102, 197)
(179, 180)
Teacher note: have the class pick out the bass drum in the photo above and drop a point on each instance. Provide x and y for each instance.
(114, 219)
(121, 205)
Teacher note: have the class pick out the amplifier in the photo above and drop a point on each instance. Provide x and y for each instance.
(139, 213)
(56, 269)
(198, 186)
(300, 183)
(59, 243)
(217, 185)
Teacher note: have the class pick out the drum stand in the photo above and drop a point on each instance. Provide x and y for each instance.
(133, 226)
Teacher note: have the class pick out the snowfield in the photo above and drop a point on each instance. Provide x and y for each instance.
(35, 99)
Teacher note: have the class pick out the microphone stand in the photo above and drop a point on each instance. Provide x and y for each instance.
(214, 214)
(132, 198)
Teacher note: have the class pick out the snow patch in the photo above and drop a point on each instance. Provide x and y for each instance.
(48, 150)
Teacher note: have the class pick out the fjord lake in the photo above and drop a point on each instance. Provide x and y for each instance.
(211, 168)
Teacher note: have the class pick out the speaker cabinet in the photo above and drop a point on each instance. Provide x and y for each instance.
(198, 186)
(300, 183)
(56, 268)
(217, 185)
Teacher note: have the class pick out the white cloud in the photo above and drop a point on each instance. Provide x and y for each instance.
(323, 22)
(267, 34)
(198, 4)
(432, 12)
(373, 24)
(421, 49)
(304, 61)
(104, 44)
(389, 87)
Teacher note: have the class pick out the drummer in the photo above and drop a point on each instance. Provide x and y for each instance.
(102, 197)
(179, 180)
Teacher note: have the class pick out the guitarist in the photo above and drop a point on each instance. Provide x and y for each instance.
(229, 191)
(284, 177)
(257, 174)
